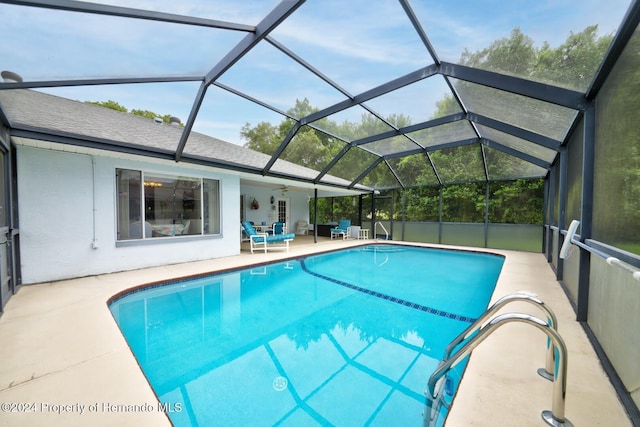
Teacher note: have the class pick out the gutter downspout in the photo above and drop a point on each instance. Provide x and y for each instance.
(94, 241)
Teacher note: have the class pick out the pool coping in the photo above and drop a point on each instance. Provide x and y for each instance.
(61, 346)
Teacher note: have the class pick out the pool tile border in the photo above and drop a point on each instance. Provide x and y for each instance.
(388, 297)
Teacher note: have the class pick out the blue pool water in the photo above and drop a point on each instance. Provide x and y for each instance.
(347, 338)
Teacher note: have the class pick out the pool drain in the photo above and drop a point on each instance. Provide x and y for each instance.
(280, 383)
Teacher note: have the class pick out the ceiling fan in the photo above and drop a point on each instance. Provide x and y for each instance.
(283, 189)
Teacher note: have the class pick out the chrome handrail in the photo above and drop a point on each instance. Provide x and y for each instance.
(375, 230)
(547, 371)
(430, 414)
(555, 417)
(611, 260)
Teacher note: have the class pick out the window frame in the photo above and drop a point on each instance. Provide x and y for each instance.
(212, 197)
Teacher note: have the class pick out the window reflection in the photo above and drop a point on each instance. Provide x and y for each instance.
(166, 206)
(172, 205)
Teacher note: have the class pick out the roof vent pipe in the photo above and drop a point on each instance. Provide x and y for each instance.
(11, 77)
(158, 120)
(174, 121)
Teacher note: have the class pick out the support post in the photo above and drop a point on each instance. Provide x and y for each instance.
(562, 204)
(552, 209)
(586, 219)
(315, 215)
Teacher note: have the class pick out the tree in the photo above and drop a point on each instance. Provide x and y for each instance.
(574, 63)
(516, 202)
(616, 210)
(113, 105)
(264, 137)
(571, 65)
(515, 55)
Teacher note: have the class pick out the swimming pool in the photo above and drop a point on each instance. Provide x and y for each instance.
(343, 338)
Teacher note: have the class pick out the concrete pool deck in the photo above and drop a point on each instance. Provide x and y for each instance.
(65, 362)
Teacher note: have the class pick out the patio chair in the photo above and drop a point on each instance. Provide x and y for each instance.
(278, 228)
(302, 227)
(344, 228)
(265, 241)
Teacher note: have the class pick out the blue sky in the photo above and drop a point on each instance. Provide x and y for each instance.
(357, 43)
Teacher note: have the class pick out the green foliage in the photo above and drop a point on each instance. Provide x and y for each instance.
(515, 55)
(517, 202)
(572, 64)
(463, 203)
(309, 150)
(422, 204)
(616, 210)
(325, 210)
(113, 105)
(510, 202)
(333, 209)
(447, 106)
(151, 115)
(263, 137)
(459, 164)
(266, 138)
(144, 113)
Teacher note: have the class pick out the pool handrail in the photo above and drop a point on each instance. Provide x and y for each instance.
(375, 230)
(555, 417)
(547, 371)
(431, 412)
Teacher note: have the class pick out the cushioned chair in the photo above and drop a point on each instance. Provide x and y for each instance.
(265, 241)
(243, 234)
(278, 228)
(344, 228)
(302, 227)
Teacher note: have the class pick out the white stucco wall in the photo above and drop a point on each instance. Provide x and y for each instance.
(56, 216)
(296, 199)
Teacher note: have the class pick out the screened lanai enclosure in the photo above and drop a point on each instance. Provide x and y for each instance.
(485, 124)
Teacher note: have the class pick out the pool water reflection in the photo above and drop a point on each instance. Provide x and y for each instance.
(276, 345)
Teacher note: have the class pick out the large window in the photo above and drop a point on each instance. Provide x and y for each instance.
(153, 205)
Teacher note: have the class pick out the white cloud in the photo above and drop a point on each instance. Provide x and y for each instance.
(357, 43)
(355, 29)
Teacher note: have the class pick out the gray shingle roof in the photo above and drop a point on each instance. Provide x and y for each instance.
(33, 110)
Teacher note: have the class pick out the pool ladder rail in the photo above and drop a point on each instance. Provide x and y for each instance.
(547, 371)
(555, 365)
(375, 230)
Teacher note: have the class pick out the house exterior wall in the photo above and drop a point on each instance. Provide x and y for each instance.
(61, 237)
(297, 201)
